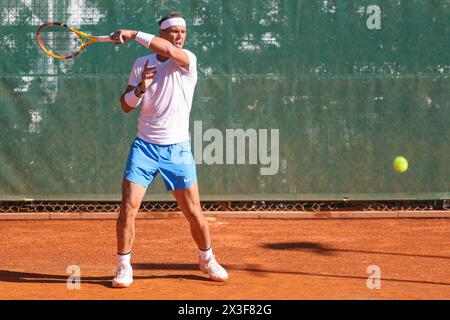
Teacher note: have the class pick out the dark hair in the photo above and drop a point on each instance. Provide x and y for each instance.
(172, 15)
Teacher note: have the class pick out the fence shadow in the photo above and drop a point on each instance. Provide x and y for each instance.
(105, 281)
(324, 250)
(256, 270)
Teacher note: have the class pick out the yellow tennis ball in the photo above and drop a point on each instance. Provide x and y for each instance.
(401, 165)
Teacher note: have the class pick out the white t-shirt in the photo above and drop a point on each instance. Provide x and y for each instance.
(166, 106)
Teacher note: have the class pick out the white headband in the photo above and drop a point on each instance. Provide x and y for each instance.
(173, 22)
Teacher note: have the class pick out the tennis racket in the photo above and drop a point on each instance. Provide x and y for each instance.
(62, 42)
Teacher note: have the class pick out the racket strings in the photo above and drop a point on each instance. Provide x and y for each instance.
(60, 41)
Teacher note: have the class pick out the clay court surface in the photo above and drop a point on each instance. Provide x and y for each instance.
(266, 259)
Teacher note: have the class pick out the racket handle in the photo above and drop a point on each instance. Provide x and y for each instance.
(104, 39)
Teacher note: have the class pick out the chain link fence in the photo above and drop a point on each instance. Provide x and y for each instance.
(340, 111)
(229, 206)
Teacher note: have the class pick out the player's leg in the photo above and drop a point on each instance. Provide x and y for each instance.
(189, 202)
(132, 196)
(177, 167)
(140, 171)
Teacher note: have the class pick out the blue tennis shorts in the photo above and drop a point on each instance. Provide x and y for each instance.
(175, 163)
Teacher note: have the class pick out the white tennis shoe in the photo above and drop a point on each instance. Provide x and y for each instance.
(123, 277)
(215, 271)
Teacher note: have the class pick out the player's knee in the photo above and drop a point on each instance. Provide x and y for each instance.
(197, 218)
(128, 211)
(195, 207)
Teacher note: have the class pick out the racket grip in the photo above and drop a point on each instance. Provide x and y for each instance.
(105, 39)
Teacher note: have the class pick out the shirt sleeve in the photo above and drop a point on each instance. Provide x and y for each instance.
(135, 75)
(192, 64)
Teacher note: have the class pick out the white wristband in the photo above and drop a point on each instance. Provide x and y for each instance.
(132, 100)
(144, 39)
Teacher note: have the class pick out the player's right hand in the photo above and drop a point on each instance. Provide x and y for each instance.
(123, 36)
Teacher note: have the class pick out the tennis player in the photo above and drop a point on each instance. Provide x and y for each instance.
(163, 85)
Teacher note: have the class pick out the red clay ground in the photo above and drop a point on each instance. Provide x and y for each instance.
(266, 259)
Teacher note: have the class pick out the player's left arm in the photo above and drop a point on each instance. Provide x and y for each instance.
(159, 46)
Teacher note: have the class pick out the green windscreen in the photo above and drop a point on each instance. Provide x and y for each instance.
(296, 100)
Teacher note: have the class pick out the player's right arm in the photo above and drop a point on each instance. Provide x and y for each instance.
(134, 94)
(158, 45)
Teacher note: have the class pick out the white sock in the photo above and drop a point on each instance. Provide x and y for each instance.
(206, 255)
(124, 260)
